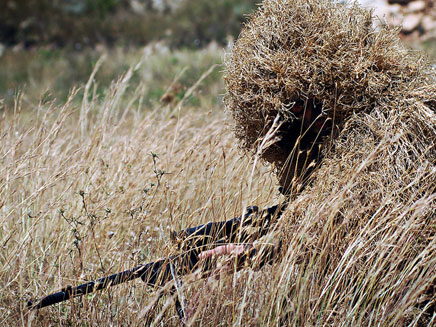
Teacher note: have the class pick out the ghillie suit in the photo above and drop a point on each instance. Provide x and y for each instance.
(358, 242)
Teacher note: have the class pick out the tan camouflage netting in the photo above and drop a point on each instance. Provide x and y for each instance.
(360, 238)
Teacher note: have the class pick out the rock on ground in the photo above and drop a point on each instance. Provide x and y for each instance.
(417, 18)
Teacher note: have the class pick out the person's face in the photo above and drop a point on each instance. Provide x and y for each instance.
(301, 138)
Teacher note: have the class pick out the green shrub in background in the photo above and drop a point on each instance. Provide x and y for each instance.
(62, 22)
(124, 22)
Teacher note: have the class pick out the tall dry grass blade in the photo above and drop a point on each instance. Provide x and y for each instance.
(84, 110)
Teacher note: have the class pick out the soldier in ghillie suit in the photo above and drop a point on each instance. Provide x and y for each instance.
(346, 115)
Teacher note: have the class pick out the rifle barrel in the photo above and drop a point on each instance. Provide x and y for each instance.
(150, 273)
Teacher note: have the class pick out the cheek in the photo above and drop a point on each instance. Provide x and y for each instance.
(323, 125)
(307, 115)
(296, 109)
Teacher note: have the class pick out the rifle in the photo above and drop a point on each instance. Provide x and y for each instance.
(191, 242)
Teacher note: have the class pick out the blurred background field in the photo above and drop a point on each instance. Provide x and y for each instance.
(112, 133)
(83, 23)
(47, 47)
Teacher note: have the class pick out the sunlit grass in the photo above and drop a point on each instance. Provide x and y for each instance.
(93, 186)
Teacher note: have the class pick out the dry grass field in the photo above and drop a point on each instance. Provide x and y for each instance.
(94, 184)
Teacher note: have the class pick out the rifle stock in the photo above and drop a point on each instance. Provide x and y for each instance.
(191, 241)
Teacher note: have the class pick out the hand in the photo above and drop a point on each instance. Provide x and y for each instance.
(222, 250)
